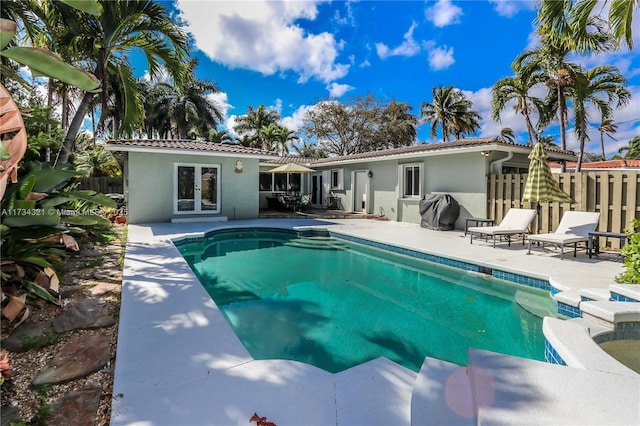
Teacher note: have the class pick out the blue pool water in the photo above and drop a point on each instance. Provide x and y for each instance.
(336, 304)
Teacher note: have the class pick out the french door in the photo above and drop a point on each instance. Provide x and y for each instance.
(196, 188)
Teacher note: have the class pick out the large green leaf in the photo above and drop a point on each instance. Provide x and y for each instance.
(24, 206)
(54, 201)
(92, 7)
(25, 186)
(40, 292)
(4, 153)
(85, 220)
(48, 180)
(47, 63)
(43, 217)
(8, 30)
(92, 197)
(35, 260)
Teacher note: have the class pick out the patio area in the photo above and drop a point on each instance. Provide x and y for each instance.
(179, 362)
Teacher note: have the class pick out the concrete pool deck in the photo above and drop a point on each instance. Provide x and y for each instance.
(178, 361)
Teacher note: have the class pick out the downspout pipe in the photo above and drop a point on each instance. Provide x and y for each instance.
(500, 161)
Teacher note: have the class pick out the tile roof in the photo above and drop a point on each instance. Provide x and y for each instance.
(459, 143)
(608, 164)
(188, 145)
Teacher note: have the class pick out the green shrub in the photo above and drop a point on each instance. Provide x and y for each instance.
(631, 255)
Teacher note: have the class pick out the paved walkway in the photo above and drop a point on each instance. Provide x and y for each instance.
(178, 361)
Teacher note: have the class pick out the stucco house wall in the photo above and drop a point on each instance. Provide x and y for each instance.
(150, 199)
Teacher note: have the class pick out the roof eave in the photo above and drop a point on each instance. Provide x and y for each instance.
(154, 150)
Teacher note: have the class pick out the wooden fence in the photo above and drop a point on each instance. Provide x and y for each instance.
(615, 194)
(105, 185)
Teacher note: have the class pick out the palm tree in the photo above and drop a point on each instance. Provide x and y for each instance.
(106, 40)
(600, 86)
(632, 150)
(607, 128)
(220, 136)
(283, 137)
(269, 136)
(309, 150)
(451, 112)
(97, 162)
(251, 124)
(579, 15)
(507, 135)
(516, 89)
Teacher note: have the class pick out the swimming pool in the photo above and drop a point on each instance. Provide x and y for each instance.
(334, 303)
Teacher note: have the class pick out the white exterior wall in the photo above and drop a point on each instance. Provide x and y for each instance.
(151, 198)
(463, 176)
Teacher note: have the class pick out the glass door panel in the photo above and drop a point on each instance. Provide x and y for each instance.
(209, 188)
(186, 188)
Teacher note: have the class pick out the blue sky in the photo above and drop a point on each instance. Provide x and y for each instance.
(291, 55)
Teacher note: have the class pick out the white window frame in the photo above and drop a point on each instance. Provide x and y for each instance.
(339, 177)
(402, 168)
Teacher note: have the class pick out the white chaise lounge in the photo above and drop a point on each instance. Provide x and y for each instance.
(574, 228)
(515, 222)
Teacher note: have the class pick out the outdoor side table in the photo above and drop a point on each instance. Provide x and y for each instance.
(478, 221)
(593, 245)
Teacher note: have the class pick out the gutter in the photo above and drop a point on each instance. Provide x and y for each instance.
(500, 161)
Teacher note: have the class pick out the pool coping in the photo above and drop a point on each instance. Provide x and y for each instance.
(185, 368)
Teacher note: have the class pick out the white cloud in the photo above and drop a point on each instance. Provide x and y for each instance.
(441, 58)
(443, 13)
(262, 36)
(408, 47)
(336, 90)
(295, 121)
(220, 99)
(509, 8)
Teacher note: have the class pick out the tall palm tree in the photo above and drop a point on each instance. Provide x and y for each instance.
(450, 111)
(269, 136)
(600, 86)
(106, 41)
(250, 125)
(516, 89)
(607, 128)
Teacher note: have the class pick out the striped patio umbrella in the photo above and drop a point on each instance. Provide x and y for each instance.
(541, 187)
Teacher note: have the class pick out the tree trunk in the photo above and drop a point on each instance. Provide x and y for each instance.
(579, 164)
(562, 106)
(74, 128)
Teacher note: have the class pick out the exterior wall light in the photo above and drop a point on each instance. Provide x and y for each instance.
(485, 153)
(370, 174)
(239, 167)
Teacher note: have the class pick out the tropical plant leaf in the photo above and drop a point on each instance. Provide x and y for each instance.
(54, 201)
(35, 234)
(4, 152)
(40, 292)
(48, 180)
(42, 217)
(92, 197)
(85, 220)
(47, 63)
(8, 30)
(35, 260)
(24, 205)
(25, 186)
(91, 7)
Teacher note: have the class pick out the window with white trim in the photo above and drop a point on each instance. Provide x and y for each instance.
(336, 178)
(411, 180)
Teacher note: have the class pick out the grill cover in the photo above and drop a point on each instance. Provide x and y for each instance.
(439, 212)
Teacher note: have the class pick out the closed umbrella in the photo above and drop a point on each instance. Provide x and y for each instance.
(541, 187)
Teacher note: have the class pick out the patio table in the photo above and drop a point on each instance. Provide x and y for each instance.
(593, 245)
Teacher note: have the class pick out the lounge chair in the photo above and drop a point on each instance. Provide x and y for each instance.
(574, 228)
(515, 222)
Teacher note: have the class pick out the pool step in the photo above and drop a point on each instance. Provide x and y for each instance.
(317, 243)
(535, 304)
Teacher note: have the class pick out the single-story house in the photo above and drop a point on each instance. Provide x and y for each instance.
(173, 180)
